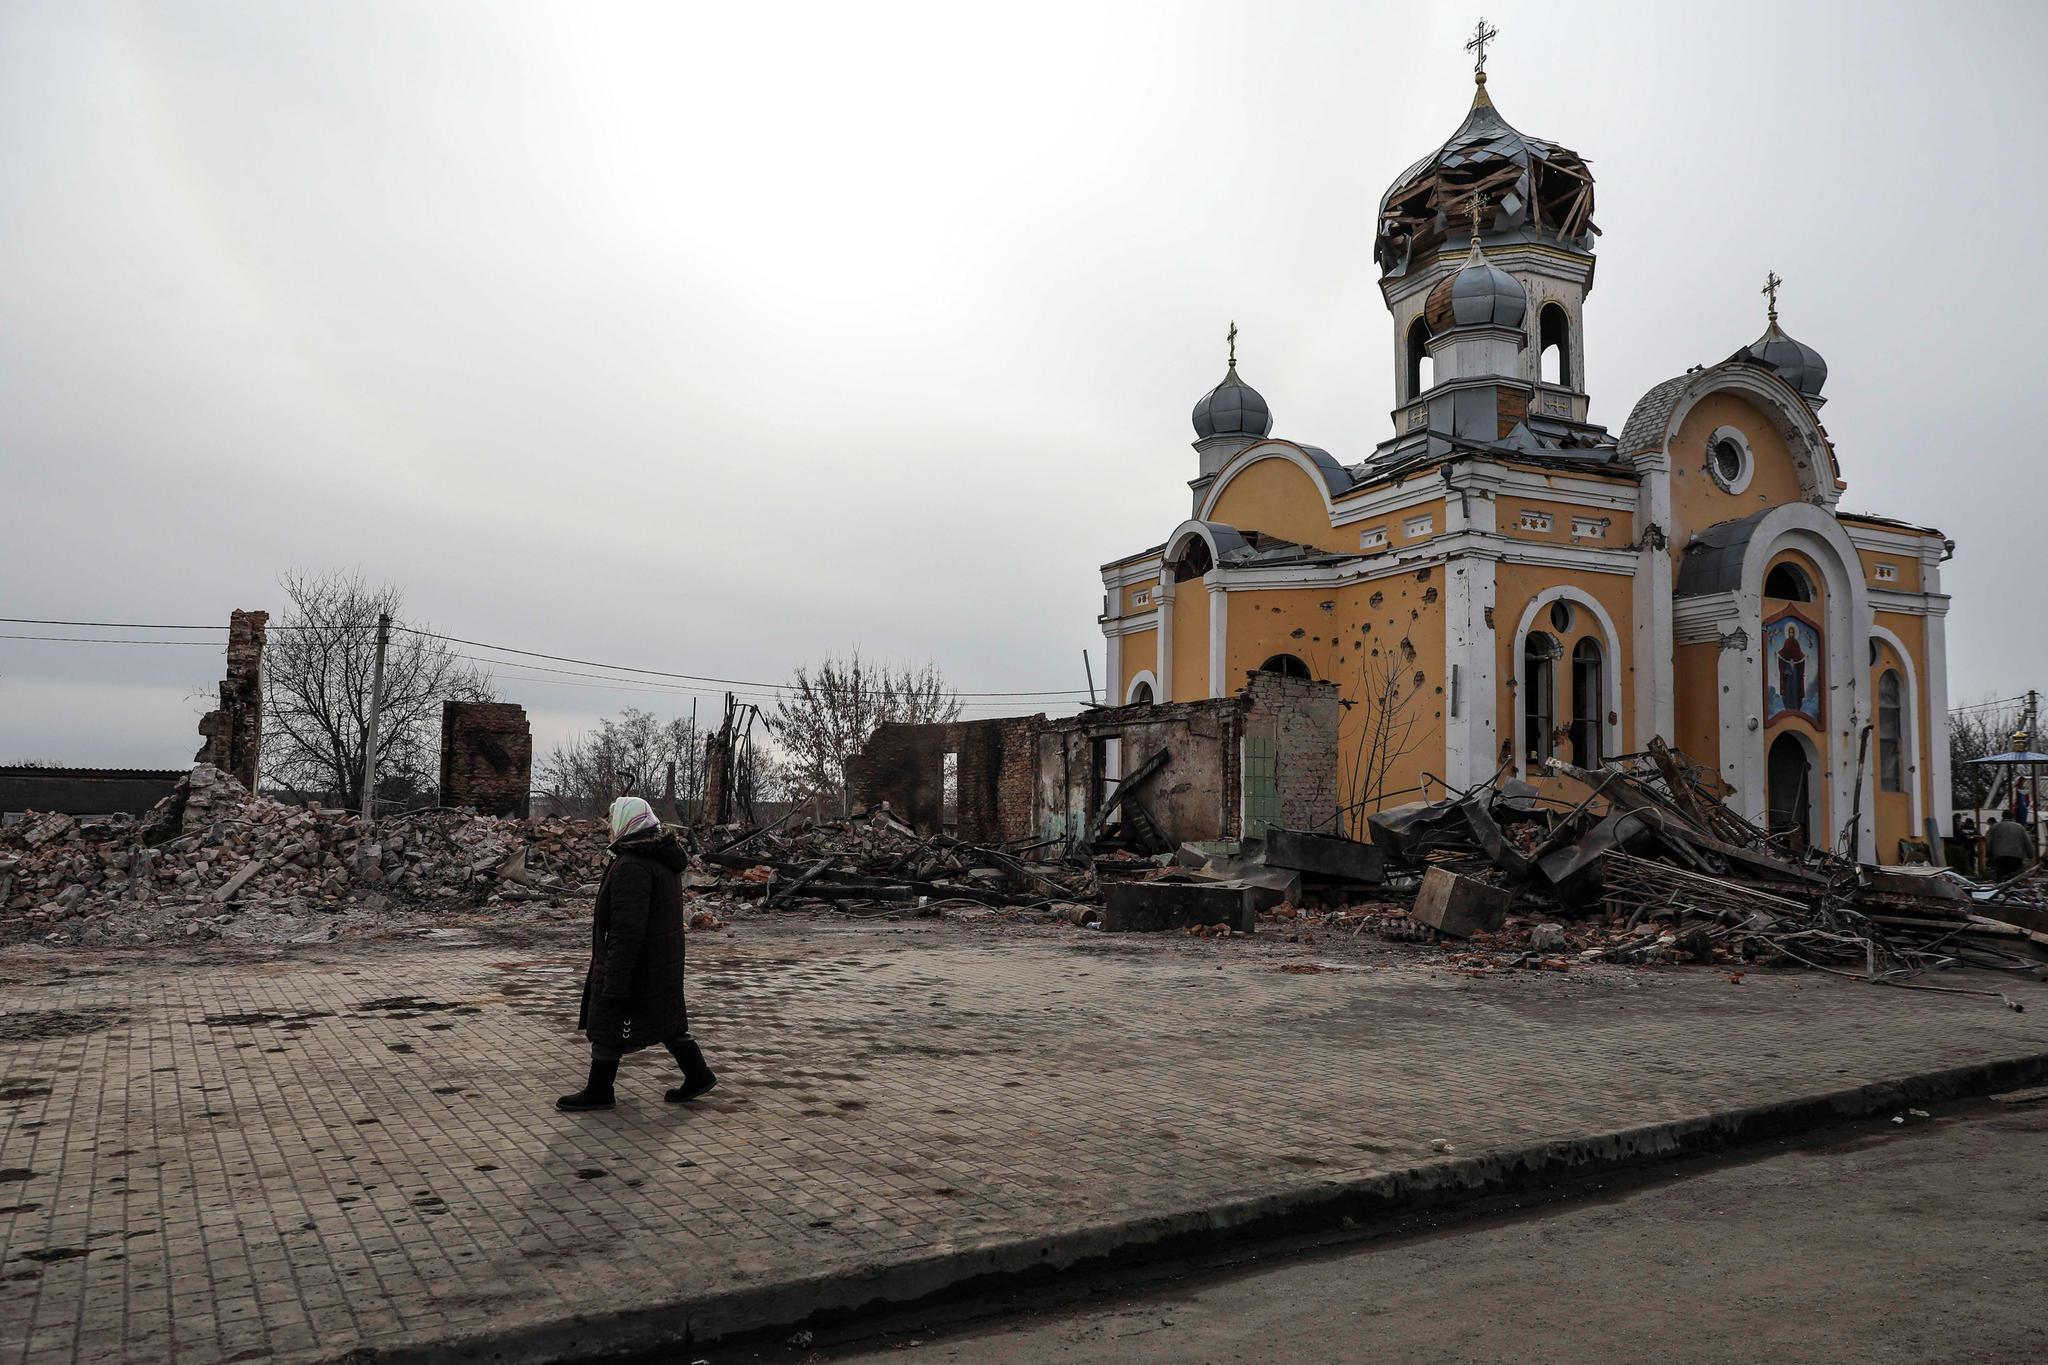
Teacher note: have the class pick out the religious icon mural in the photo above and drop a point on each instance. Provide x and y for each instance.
(1793, 674)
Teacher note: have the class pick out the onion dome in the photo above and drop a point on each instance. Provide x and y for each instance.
(1232, 408)
(1533, 191)
(1795, 362)
(1476, 295)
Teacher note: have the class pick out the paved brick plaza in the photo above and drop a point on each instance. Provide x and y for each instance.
(355, 1145)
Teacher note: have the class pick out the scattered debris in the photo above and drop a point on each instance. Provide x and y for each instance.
(213, 861)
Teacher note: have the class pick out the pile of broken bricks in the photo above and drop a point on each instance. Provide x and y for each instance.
(213, 860)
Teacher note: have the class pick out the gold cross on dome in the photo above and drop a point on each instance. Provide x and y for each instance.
(1475, 206)
(1233, 343)
(1770, 291)
(1481, 36)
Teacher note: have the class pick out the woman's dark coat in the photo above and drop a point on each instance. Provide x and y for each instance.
(633, 992)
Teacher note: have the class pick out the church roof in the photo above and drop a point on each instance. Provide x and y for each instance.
(1712, 562)
(1530, 189)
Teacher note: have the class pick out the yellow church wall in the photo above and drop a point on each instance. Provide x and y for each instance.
(1140, 597)
(1696, 696)
(1390, 629)
(1907, 569)
(1620, 528)
(1276, 496)
(1815, 611)
(1360, 637)
(1894, 812)
(1698, 502)
(1516, 585)
(1140, 654)
(1190, 640)
(1912, 633)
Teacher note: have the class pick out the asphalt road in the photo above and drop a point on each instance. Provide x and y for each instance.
(1926, 1241)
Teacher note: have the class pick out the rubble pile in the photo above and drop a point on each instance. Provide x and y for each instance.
(874, 861)
(1654, 867)
(211, 856)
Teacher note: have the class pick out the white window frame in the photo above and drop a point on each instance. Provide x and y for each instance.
(1416, 527)
(1741, 442)
(1532, 520)
(1887, 573)
(1142, 598)
(1589, 528)
(1372, 538)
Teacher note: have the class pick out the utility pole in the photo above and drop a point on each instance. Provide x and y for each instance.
(370, 734)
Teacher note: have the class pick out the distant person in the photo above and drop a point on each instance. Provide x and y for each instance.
(633, 992)
(2009, 847)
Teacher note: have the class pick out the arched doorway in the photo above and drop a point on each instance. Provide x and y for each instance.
(1789, 781)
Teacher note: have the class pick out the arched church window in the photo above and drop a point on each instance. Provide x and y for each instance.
(1588, 686)
(1421, 369)
(1141, 695)
(1286, 665)
(1891, 728)
(1789, 583)
(1539, 696)
(1554, 342)
(1561, 616)
(1194, 561)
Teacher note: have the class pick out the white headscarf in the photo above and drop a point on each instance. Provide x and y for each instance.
(631, 815)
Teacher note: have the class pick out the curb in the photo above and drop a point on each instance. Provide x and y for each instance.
(792, 1304)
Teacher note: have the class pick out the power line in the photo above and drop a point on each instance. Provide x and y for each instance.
(770, 689)
(694, 677)
(107, 640)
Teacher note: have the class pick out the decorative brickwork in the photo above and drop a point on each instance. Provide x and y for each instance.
(233, 735)
(486, 757)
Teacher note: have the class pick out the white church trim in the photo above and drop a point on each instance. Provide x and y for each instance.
(1610, 671)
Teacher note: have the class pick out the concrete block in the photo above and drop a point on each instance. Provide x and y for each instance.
(1329, 857)
(1460, 906)
(1150, 907)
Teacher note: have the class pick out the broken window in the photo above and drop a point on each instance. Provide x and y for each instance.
(1554, 340)
(1421, 368)
(1891, 714)
(1194, 561)
(1789, 583)
(1287, 666)
(949, 792)
(1587, 688)
(1141, 695)
(1539, 696)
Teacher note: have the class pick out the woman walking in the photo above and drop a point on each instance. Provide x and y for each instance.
(633, 992)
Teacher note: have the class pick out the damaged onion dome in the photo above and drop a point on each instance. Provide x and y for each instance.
(1232, 408)
(1795, 362)
(1477, 295)
(1532, 191)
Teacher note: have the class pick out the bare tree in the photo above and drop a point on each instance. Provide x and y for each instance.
(1974, 732)
(316, 683)
(831, 709)
(1386, 729)
(630, 754)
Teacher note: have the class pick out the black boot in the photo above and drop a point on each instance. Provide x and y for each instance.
(596, 1092)
(697, 1075)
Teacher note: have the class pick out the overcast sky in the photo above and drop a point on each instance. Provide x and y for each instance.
(716, 337)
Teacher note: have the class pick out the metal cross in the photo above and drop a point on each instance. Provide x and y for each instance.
(1233, 343)
(1770, 290)
(1477, 205)
(1481, 36)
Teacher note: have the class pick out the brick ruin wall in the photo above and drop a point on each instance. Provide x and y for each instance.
(1026, 777)
(232, 735)
(1303, 717)
(486, 757)
(905, 765)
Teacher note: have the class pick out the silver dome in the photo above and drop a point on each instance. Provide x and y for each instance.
(1232, 408)
(1476, 295)
(1797, 363)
